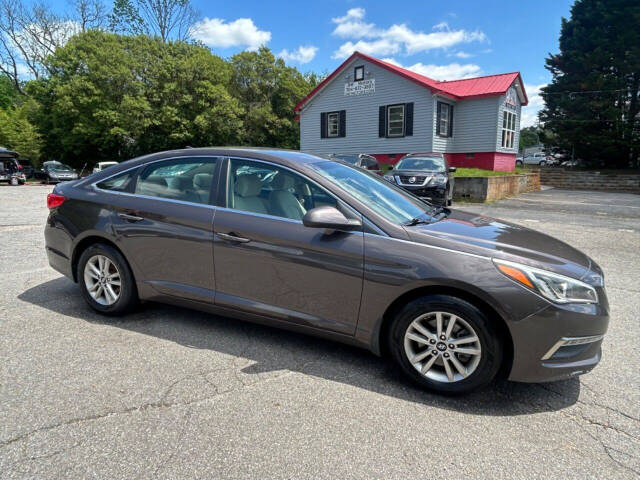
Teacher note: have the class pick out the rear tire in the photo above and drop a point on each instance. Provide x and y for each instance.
(113, 299)
(470, 370)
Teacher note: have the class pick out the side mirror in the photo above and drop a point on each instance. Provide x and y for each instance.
(452, 169)
(330, 218)
(390, 167)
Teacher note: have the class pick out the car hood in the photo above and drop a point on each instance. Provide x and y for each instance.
(486, 236)
(422, 173)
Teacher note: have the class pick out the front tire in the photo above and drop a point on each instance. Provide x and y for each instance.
(445, 344)
(106, 280)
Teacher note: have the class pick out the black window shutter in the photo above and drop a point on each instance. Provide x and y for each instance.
(323, 125)
(408, 123)
(450, 133)
(438, 113)
(382, 121)
(342, 130)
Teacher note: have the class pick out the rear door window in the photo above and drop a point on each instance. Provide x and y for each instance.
(185, 179)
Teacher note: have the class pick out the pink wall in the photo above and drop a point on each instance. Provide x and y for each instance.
(496, 161)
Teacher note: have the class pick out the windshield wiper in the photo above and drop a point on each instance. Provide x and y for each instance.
(436, 213)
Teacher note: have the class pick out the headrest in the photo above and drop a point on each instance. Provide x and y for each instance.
(202, 181)
(156, 180)
(179, 183)
(282, 181)
(248, 185)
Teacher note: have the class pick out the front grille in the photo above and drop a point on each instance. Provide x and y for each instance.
(418, 180)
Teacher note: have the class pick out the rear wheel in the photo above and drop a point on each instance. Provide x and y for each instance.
(106, 280)
(445, 344)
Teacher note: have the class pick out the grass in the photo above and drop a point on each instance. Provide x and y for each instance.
(478, 172)
(470, 172)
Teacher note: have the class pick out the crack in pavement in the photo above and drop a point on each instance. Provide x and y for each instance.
(139, 408)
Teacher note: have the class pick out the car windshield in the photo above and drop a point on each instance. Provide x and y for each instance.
(428, 164)
(380, 195)
(60, 167)
(352, 159)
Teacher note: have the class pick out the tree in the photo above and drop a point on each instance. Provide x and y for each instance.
(111, 97)
(529, 137)
(17, 132)
(167, 19)
(593, 101)
(8, 92)
(269, 90)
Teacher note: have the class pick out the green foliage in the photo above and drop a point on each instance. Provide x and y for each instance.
(8, 92)
(593, 102)
(269, 90)
(112, 97)
(529, 137)
(18, 133)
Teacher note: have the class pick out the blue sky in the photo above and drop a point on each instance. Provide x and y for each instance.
(443, 40)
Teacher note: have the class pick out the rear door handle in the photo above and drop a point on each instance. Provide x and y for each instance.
(232, 238)
(130, 218)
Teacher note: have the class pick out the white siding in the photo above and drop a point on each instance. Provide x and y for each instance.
(443, 144)
(362, 115)
(474, 125)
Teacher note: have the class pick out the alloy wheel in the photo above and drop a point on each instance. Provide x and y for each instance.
(102, 280)
(442, 346)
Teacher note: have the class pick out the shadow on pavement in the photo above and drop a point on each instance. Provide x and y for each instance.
(274, 349)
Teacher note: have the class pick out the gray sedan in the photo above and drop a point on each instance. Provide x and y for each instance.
(300, 242)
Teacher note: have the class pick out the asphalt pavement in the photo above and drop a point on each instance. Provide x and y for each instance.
(173, 393)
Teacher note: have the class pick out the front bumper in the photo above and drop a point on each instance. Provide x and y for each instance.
(559, 342)
(436, 195)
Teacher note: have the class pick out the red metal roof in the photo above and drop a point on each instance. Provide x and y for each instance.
(488, 86)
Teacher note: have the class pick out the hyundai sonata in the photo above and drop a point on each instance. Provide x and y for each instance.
(325, 248)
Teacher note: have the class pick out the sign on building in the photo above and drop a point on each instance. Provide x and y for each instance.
(363, 87)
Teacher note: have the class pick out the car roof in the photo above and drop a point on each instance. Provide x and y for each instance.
(279, 156)
(424, 154)
(5, 152)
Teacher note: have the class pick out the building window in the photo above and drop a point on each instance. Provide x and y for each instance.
(444, 121)
(395, 123)
(508, 129)
(333, 123)
(358, 73)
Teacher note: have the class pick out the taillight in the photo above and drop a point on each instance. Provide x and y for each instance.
(54, 200)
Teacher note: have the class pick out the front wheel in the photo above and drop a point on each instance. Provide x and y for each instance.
(519, 163)
(106, 280)
(446, 344)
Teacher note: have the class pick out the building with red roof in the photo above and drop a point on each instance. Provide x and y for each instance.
(370, 106)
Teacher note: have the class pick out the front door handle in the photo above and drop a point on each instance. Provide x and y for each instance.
(130, 218)
(232, 238)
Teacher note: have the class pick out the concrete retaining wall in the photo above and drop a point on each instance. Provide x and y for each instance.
(488, 189)
(593, 180)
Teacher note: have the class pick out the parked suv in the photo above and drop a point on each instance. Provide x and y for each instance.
(539, 158)
(426, 175)
(362, 160)
(10, 170)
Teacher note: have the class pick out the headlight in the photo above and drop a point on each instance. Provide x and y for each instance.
(557, 288)
(389, 178)
(438, 180)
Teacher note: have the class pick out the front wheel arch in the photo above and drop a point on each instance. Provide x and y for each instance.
(384, 331)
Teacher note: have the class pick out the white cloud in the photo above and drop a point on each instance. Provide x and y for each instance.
(352, 26)
(381, 46)
(536, 103)
(215, 32)
(453, 71)
(301, 55)
(397, 38)
(463, 55)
